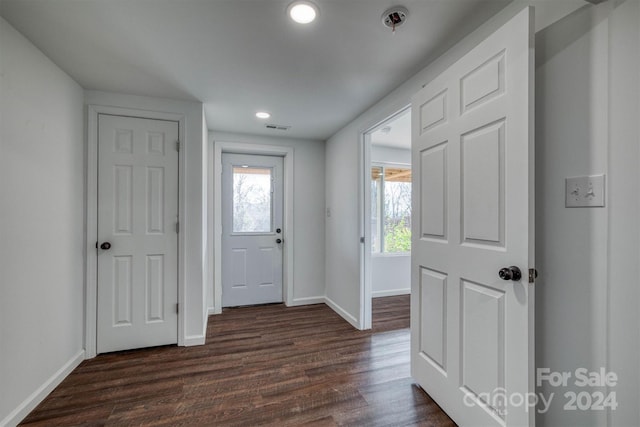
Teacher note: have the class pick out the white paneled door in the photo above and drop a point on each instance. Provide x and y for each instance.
(252, 231)
(472, 151)
(138, 241)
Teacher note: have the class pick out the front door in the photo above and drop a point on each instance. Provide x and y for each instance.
(252, 233)
(472, 154)
(138, 241)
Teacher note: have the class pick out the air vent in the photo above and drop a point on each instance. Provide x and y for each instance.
(277, 127)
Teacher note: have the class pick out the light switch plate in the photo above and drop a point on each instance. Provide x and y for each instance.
(585, 191)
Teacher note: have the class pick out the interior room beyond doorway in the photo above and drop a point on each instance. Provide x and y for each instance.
(388, 209)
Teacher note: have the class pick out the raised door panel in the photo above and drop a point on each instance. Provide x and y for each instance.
(483, 83)
(155, 289)
(122, 290)
(123, 199)
(483, 343)
(433, 177)
(433, 112)
(433, 318)
(483, 189)
(238, 268)
(155, 200)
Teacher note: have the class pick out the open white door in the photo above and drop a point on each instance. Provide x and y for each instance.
(472, 153)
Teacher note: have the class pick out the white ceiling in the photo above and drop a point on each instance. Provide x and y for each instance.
(241, 56)
(394, 133)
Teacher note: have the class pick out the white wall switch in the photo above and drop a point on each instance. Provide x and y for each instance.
(585, 191)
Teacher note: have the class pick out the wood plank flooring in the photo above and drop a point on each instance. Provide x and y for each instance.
(267, 365)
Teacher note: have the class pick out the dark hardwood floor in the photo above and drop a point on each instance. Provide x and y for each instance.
(261, 365)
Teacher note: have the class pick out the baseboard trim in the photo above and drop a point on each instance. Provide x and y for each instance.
(342, 312)
(211, 311)
(307, 301)
(193, 340)
(30, 403)
(391, 293)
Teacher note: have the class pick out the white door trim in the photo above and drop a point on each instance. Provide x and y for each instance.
(287, 268)
(91, 283)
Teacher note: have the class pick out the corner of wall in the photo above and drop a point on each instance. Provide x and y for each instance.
(343, 313)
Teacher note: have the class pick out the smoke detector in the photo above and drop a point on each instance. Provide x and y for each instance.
(395, 17)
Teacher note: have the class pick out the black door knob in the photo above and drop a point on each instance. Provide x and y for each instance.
(510, 273)
(278, 230)
(278, 241)
(106, 246)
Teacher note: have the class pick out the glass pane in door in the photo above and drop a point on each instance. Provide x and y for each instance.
(252, 200)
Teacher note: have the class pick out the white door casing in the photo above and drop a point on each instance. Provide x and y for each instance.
(137, 215)
(252, 260)
(472, 154)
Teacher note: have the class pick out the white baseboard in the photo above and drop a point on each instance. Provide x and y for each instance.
(30, 403)
(194, 340)
(307, 301)
(391, 293)
(211, 311)
(342, 312)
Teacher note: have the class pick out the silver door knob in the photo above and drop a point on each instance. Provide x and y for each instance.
(510, 273)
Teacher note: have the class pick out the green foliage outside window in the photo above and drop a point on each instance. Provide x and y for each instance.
(397, 238)
(391, 209)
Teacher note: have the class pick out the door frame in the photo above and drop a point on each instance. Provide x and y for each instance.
(91, 192)
(364, 211)
(220, 147)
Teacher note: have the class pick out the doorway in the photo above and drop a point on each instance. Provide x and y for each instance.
(252, 229)
(221, 148)
(387, 212)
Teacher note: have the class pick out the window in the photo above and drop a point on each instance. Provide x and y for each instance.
(390, 209)
(252, 204)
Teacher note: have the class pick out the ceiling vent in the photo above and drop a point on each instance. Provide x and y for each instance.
(277, 127)
(395, 17)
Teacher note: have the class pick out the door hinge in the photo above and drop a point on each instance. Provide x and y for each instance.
(178, 146)
(178, 227)
(177, 307)
(533, 273)
(362, 240)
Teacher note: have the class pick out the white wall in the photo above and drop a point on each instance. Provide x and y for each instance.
(41, 225)
(343, 155)
(587, 113)
(194, 224)
(390, 273)
(308, 212)
(382, 154)
(624, 209)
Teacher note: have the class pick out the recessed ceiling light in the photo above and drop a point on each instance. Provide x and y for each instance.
(303, 12)
(263, 115)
